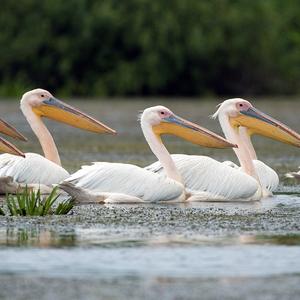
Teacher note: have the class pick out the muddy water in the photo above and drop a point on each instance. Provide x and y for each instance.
(237, 250)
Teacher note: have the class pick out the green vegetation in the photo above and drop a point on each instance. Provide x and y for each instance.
(150, 47)
(2, 212)
(31, 203)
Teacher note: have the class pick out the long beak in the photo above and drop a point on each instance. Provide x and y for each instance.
(7, 147)
(191, 132)
(259, 123)
(11, 131)
(57, 110)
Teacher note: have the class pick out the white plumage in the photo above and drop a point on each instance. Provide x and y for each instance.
(219, 181)
(268, 178)
(115, 182)
(125, 179)
(34, 168)
(226, 181)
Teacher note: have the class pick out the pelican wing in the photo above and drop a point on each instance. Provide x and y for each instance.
(231, 164)
(126, 179)
(204, 174)
(34, 168)
(268, 177)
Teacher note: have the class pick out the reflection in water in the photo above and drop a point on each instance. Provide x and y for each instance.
(152, 262)
(36, 237)
(43, 238)
(263, 205)
(288, 240)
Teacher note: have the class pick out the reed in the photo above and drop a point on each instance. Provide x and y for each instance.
(32, 203)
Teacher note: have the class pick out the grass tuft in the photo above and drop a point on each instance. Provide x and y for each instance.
(31, 203)
(64, 207)
(2, 213)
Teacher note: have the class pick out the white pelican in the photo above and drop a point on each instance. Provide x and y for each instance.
(121, 183)
(224, 183)
(35, 170)
(293, 174)
(268, 177)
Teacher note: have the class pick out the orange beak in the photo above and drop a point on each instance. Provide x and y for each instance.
(259, 123)
(191, 132)
(57, 110)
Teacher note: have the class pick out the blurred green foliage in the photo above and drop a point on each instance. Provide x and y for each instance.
(150, 47)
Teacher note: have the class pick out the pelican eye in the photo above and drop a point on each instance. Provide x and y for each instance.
(42, 96)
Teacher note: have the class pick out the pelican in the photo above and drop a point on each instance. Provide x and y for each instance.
(105, 182)
(224, 183)
(268, 177)
(293, 174)
(35, 170)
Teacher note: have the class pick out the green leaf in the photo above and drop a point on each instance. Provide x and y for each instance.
(2, 213)
(31, 203)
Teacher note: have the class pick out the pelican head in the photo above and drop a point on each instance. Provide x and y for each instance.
(44, 104)
(242, 113)
(164, 121)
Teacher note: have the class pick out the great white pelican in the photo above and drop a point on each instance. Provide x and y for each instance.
(35, 170)
(295, 175)
(121, 183)
(268, 177)
(221, 181)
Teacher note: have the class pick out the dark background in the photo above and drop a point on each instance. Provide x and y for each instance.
(150, 47)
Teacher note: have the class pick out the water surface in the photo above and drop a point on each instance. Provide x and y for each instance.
(180, 249)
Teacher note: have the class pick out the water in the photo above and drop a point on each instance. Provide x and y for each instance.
(184, 262)
(182, 249)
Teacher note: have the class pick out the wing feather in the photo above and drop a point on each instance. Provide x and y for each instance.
(268, 177)
(126, 179)
(34, 168)
(204, 174)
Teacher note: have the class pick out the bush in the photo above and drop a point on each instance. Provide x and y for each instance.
(150, 47)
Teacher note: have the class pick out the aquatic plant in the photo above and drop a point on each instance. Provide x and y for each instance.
(2, 213)
(32, 203)
(64, 207)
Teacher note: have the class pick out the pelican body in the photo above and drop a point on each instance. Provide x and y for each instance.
(268, 177)
(105, 182)
(35, 170)
(220, 180)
